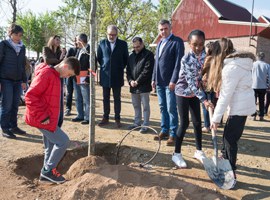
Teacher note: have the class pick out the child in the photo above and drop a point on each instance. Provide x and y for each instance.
(42, 111)
(189, 95)
(231, 76)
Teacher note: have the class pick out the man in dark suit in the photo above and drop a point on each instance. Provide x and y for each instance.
(169, 53)
(112, 56)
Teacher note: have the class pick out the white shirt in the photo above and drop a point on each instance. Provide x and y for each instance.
(112, 45)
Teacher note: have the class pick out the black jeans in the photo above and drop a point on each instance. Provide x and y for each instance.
(106, 102)
(233, 130)
(69, 84)
(260, 93)
(184, 105)
(267, 102)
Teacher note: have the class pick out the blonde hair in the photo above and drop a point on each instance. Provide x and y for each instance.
(221, 49)
(51, 45)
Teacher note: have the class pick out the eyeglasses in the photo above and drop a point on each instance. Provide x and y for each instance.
(113, 35)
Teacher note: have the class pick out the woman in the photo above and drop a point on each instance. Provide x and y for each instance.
(12, 79)
(230, 74)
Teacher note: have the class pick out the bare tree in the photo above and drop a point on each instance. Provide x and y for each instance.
(13, 4)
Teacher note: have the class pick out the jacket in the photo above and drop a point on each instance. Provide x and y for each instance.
(167, 65)
(84, 60)
(50, 57)
(236, 93)
(112, 63)
(12, 66)
(42, 99)
(140, 68)
(260, 74)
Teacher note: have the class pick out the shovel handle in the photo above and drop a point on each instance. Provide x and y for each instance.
(214, 138)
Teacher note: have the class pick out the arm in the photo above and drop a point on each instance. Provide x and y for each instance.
(128, 71)
(148, 69)
(48, 58)
(24, 78)
(99, 54)
(1, 51)
(125, 55)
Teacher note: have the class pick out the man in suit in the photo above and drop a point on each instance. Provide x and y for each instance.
(112, 56)
(169, 53)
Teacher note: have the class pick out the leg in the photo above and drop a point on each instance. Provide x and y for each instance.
(78, 100)
(161, 93)
(69, 84)
(183, 108)
(117, 102)
(48, 146)
(146, 108)
(232, 132)
(136, 102)
(172, 110)
(267, 102)
(61, 114)
(7, 101)
(206, 117)
(17, 88)
(86, 100)
(261, 95)
(106, 102)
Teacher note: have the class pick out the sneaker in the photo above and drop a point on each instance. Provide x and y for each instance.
(178, 160)
(103, 122)
(132, 126)
(52, 175)
(85, 122)
(205, 130)
(17, 131)
(8, 134)
(143, 130)
(199, 155)
(76, 119)
(67, 112)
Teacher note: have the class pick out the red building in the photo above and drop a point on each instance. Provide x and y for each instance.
(220, 18)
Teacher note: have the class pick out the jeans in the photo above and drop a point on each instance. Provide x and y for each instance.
(233, 130)
(185, 104)
(85, 90)
(55, 145)
(106, 102)
(137, 100)
(210, 97)
(11, 92)
(260, 94)
(78, 100)
(168, 110)
(69, 84)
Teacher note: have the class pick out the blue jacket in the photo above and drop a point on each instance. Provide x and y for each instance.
(12, 66)
(167, 66)
(112, 63)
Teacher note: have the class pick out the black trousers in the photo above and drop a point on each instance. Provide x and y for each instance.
(106, 102)
(69, 84)
(184, 105)
(233, 130)
(260, 94)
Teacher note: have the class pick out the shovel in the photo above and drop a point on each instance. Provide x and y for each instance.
(218, 169)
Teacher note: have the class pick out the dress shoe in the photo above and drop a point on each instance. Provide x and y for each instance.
(77, 119)
(103, 122)
(170, 141)
(118, 123)
(17, 131)
(161, 136)
(85, 122)
(8, 134)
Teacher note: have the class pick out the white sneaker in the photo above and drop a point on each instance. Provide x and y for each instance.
(178, 160)
(199, 155)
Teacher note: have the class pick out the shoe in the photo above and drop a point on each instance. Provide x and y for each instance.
(118, 123)
(170, 141)
(261, 119)
(235, 179)
(132, 126)
(84, 122)
(67, 112)
(17, 131)
(8, 134)
(178, 160)
(76, 119)
(143, 130)
(205, 130)
(52, 175)
(161, 136)
(103, 122)
(199, 155)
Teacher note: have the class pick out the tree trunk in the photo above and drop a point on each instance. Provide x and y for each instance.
(13, 4)
(91, 147)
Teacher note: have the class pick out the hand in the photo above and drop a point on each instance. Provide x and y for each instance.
(46, 122)
(172, 86)
(153, 85)
(208, 104)
(214, 126)
(133, 83)
(23, 86)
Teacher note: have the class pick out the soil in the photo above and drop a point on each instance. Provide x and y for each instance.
(99, 177)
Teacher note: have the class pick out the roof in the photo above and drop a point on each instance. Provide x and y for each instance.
(229, 11)
(264, 19)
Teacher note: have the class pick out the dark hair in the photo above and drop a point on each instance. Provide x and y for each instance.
(164, 21)
(83, 37)
(196, 32)
(74, 64)
(260, 55)
(210, 47)
(137, 39)
(15, 29)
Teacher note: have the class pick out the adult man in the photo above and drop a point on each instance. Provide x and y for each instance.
(112, 56)
(169, 52)
(139, 72)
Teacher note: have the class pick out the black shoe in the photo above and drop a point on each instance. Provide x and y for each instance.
(8, 134)
(67, 112)
(17, 131)
(77, 119)
(52, 175)
(85, 122)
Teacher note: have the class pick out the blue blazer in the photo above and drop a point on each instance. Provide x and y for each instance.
(167, 65)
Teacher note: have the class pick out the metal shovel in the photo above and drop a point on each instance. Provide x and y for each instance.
(218, 169)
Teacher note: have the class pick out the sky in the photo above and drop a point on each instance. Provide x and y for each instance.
(261, 7)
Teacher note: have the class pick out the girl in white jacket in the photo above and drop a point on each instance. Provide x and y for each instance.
(230, 76)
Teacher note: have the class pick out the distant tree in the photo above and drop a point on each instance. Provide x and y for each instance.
(166, 8)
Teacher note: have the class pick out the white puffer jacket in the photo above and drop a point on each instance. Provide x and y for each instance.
(236, 93)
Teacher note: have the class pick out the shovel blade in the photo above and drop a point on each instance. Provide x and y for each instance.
(220, 172)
